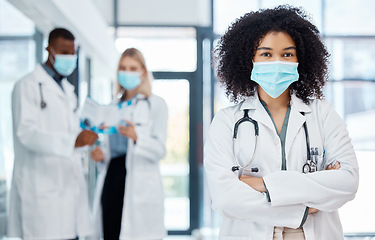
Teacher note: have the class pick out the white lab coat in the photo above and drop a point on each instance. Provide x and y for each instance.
(246, 213)
(143, 210)
(48, 197)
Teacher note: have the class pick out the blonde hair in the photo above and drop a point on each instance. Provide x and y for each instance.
(145, 86)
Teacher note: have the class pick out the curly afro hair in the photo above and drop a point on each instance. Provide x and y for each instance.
(236, 49)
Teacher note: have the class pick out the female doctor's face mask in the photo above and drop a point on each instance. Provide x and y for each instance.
(274, 77)
(129, 80)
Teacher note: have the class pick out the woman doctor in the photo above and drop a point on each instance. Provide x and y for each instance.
(129, 201)
(274, 64)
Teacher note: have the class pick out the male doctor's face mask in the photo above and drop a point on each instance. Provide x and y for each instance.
(274, 77)
(65, 64)
(129, 80)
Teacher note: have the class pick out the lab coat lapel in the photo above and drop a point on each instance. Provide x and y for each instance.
(259, 114)
(68, 88)
(66, 95)
(139, 110)
(71, 102)
(43, 77)
(296, 120)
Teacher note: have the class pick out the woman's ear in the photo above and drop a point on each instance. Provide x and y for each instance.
(144, 74)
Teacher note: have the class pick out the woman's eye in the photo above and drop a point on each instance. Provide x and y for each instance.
(288, 55)
(266, 54)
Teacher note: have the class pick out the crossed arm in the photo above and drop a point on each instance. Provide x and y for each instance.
(257, 183)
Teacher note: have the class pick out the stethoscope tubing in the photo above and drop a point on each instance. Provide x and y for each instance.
(245, 118)
(307, 167)
(43, 103)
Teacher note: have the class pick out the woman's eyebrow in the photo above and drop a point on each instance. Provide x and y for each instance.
(268, 48)
(288, 48)
(264, 48)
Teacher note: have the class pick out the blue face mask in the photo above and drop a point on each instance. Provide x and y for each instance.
(65, 64)
(274, 77)
(129, 80)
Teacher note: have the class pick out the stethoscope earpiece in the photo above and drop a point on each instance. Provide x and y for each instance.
(235, 168)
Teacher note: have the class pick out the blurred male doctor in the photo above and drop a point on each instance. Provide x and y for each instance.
(48, 198)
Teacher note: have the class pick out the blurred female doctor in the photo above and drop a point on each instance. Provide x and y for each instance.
(129, 201)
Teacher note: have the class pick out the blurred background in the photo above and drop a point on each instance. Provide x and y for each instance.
(176, 38)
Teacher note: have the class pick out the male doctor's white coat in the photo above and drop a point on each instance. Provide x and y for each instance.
(49, 198)
(248, 214)
(143, 209)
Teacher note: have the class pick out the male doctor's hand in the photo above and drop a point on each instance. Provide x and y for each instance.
(128, 131)
(86, 137)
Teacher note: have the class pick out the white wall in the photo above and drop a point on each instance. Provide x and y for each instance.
(164, 12)
(106, 9)
(82, 18)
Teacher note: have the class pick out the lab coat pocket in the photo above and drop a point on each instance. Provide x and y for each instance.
(142, 129)
(148, 195)
(237, 229)
(49, 175)
(146, 185)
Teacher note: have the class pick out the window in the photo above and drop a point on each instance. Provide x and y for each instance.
(165, 49)
(17, 58)
(348, 17)
(175, 166)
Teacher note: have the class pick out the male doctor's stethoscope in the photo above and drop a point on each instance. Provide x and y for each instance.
(43, 103)
(309, 166)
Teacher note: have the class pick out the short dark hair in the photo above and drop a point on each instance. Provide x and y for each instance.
(60, 32)
(236, 48)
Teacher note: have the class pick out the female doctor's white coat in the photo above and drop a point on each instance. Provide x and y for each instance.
(49, 198)
(143, 209)
(248, 214)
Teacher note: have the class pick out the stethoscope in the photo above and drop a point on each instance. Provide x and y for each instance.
(134, 102)
(43, 103)
(309, 166)
(245, 118)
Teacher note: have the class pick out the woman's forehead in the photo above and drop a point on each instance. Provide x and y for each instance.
(276, 39)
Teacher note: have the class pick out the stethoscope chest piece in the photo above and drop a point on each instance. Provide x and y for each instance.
(311, 162)
(306, 168)
(43, 104)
